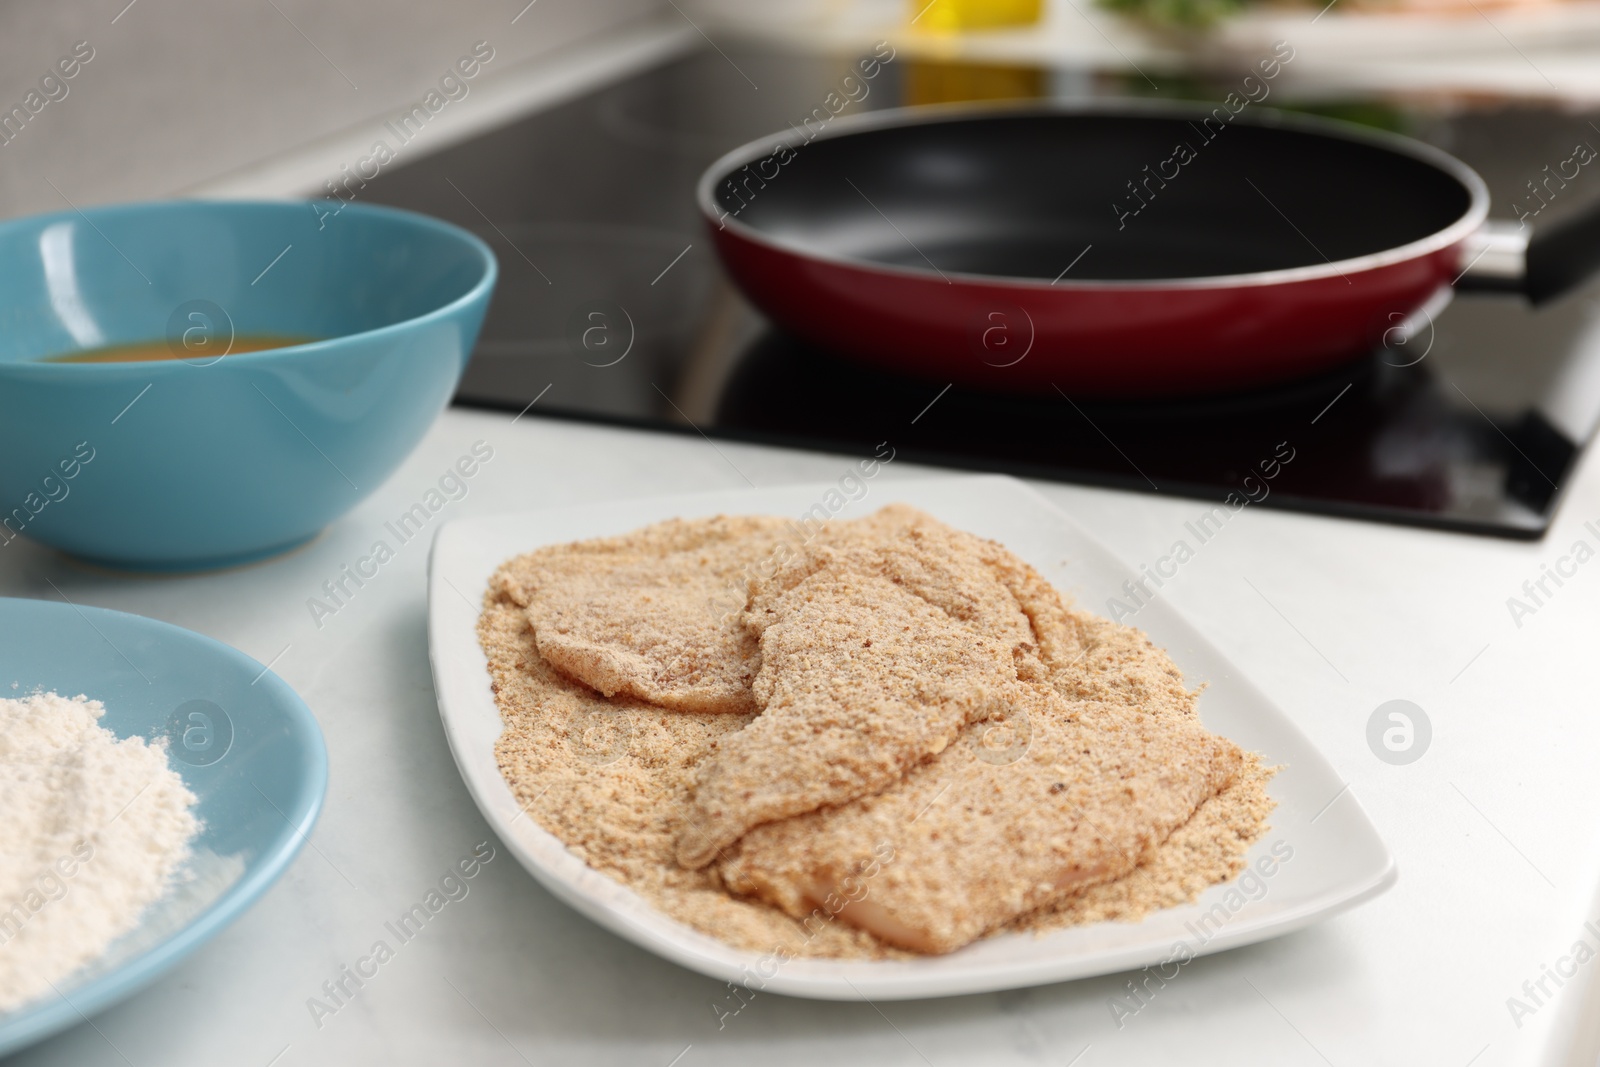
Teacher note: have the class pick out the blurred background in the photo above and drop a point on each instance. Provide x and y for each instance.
(575, 146)
(181, 93)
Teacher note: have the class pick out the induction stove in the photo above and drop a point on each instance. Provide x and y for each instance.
(612, 307)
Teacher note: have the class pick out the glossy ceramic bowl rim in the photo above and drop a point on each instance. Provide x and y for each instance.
(39, 1019)
(485, 284)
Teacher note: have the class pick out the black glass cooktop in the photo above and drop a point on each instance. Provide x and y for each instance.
(612, 307)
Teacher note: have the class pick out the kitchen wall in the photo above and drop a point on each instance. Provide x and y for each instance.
(169, 95)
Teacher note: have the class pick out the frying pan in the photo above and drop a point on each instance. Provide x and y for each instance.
(1120, 250)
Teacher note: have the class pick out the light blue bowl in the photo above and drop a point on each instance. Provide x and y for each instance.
(254, 758)
(205, 462)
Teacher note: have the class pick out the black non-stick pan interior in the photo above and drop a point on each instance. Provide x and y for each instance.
(1021, 195)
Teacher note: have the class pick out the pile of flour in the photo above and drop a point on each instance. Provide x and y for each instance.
(93, 831)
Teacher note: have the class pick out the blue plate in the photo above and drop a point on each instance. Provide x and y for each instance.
(246, 745)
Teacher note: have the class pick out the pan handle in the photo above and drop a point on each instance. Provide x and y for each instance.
(1494, 258)
(1542, 265)
(1563, 256)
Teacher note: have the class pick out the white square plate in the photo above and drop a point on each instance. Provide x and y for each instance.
(1335, 857)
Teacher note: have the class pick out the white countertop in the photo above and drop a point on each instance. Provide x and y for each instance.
(1493, 828)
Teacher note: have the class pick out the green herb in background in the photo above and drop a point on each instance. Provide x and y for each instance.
(1212, 89)
(1364, 113)
(1185, 14)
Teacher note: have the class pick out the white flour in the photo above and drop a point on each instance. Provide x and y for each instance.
(93, 830)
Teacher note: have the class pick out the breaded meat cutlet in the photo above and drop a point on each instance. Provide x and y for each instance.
(875, 653)
(968, 842)
(654, 614)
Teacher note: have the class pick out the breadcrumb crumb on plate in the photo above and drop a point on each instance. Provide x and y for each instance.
(1321, 855)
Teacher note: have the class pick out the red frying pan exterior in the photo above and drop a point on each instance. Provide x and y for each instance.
(1100, 340)
(1088, 337)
